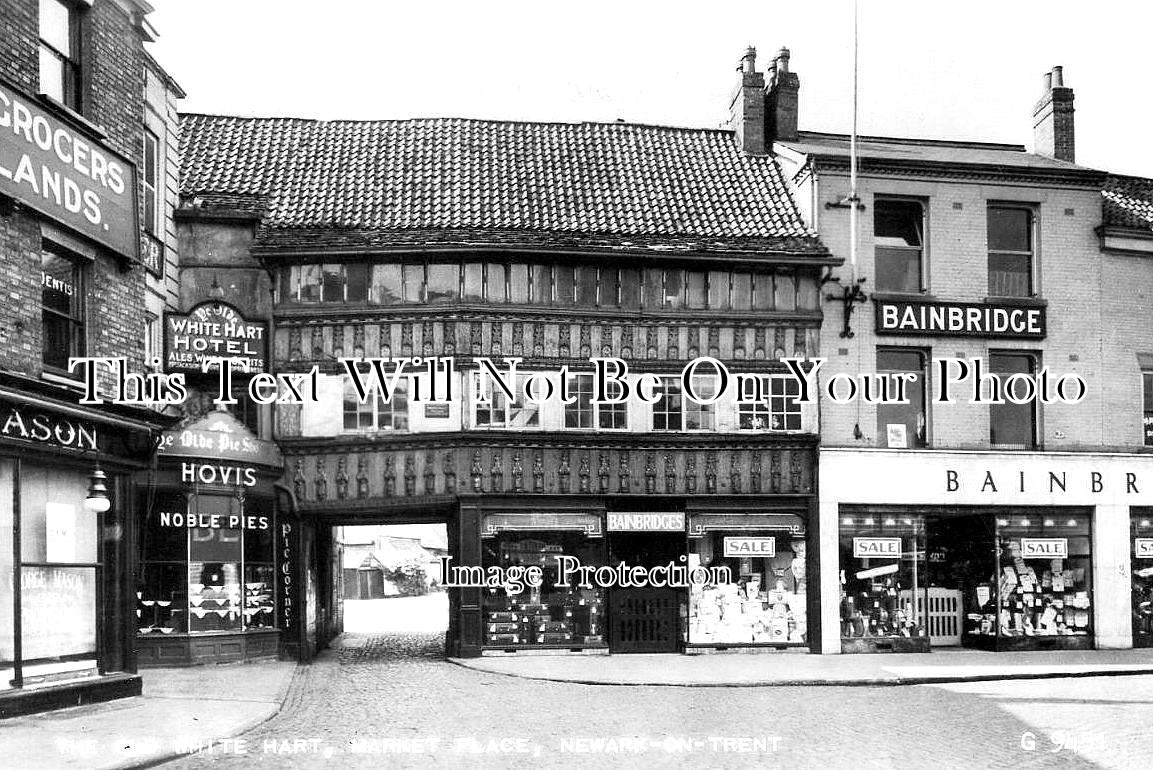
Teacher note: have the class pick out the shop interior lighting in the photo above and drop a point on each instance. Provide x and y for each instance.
(1049, 522)
(1073, 523)
(1144, 522)
(890, 522)
(869, 521)
(1025, 522)
(848, 522)
(1002, 522)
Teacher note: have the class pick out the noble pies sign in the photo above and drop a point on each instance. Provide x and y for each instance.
(68, 176)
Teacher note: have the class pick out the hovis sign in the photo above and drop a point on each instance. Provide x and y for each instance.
(71, 178)
(876, 547)
(1044, 548)
(750, 547)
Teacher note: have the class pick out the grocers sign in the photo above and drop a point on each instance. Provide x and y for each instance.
(213, 330)
(48, 165)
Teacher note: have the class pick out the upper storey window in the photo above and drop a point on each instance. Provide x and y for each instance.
(60, 52)
(552, 285)
(899, 237)
(1012, 257)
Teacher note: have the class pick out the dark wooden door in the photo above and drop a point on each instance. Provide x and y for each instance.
(643, 619)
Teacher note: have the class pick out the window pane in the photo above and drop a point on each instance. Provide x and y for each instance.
(55, 25)
(579, 413)
(57, 614)
(149, 209)
(1147, 382)
(630, 288)
(898, 223)
(742, 291)
(52, 76)
(214, 589)
(1010, 275)
(518, 283)
(701, 416)
(386, 284)
(763, 295)
(667, 410)
(54, 525)
(357, 277)
(474, 282)
(898, 269)
(542, 284)
(565, 284)
(1012, 425)
(310, 283)
(718, 290)
(697, 296)
(495, 283)
(59, 283)
(587, 286)
(902, 426)
(333, 283)
(413, 283)
(1010, 229)
(164, 536)
(654, 289)
(443, 283)
(786, 292)
(674, 288)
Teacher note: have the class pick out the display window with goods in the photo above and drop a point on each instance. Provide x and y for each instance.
(1141, 535)
(765, 601)
(548, 615)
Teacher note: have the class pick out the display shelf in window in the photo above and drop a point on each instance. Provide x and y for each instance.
(214, 605)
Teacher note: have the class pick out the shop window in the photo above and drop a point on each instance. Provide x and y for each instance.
(259, 569)
(518, 283)
(765, 601)
(62, 307)
(548, 615)
(718, 290)
(1011, 251)
(214, 554)
(899, 238)
(60, 52)
(903, 426)
(1141, 527)
(1147, 413)
(152, 183)
(579, 412)
(474, 282)
(356, 282)
(59, 556)
(763, 292)
(443, 284)
(778, 409)
(541, 284)
(1012, 426)
(496, 283)
(883, 579)
(499, 412)
(387, 285)
(374, 413)
(629, 283)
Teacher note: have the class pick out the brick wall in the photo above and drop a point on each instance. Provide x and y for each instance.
(1099, 312)
(112, 77)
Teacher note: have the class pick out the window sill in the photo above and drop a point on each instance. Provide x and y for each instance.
(1034, 301)
(60, 377)
(70, 115)
(899, 296)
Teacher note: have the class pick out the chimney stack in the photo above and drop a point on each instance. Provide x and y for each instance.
(747, 108)
(1053, 118)
(781, 99)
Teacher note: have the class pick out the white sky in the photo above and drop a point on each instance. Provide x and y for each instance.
(968, 69)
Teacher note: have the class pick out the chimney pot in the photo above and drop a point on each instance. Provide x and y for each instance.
(781, 99)
(782, 60)
(749, 60)
(1046, 83)
(1058, 77)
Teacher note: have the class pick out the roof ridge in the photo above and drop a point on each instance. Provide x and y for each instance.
(450, 118)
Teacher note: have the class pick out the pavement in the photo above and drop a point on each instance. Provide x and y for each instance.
(794, 668)
(181, 710)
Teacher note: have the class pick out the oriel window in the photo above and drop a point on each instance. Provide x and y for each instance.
(899, 238)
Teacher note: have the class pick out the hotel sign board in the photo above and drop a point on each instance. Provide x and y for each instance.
(213, 329)
(960, 319)
(66, 174)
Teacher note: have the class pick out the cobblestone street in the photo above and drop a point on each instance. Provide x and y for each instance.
(376, 699)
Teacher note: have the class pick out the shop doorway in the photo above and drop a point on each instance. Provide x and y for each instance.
(645, 619)
(390, 578)
(959, 550)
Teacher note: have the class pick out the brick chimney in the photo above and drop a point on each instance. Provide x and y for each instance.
(1053, 118)
(781, 99)
(747, 109)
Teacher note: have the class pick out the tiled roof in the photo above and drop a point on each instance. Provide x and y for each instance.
(615, 185)
(1128, 202)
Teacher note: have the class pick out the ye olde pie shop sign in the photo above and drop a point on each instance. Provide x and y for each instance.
(70, 177)
(213, 330)
(960, 319)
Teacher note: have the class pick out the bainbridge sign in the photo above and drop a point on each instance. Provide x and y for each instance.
(66, 175)
(960, 319)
